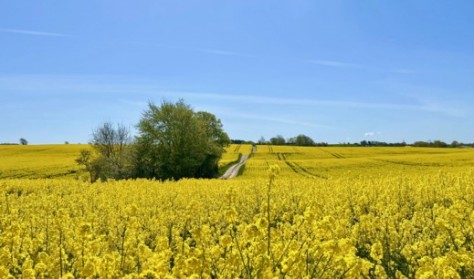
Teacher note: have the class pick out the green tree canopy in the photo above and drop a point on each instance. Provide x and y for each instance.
(278, 140)
(176, 142)
(301, 140)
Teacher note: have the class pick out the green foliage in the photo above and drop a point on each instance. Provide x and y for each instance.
(436, 143)
(301, 140)
(114, 155)
(176, 142)
(278, 140)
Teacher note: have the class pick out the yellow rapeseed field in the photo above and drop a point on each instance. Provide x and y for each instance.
(55, 161)
(39, 161)
(295, 213)
(325, 162)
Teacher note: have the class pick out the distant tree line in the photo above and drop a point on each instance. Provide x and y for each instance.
(299, 140)
(438, 143)
(239, 141)
(22, 141)
(435, 144)
(303, 140)
(381, 143)
(173, 142)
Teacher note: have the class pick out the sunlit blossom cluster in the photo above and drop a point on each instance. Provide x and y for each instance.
(274, 226)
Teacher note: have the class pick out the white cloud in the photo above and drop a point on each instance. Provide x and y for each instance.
(33, 32)
(372, 134)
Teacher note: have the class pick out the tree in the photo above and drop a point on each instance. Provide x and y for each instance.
(113, 156)
(421, 144)
(278, 140)
(439, 143)
(436, 143)
(456, 143)
(301, 140)
(23, 141)
(175, 142)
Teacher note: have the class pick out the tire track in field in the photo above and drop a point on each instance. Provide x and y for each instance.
(299, 169)
(237, 148)
(410, 164)
(336, 155)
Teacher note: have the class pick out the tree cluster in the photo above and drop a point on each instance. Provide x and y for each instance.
(380, 143)
(299, 140)
(239, 141)
(173, 142)
(436, 143)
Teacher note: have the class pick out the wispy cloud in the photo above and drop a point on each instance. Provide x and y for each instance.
(33, 32)
(447, 106)
(371, 134)
(440, 107)
(275, 119)
(346, 65)
(193, 49)
(125, 87)
(404, 71)
(220, 52)
(315, 102)
(337, 64)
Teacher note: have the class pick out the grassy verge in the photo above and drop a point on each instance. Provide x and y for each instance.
(241, 170)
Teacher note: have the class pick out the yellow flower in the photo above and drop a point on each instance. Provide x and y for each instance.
(251, 231)
(226, 240)
(40, 268)
(132, 210)
(4, 256)
(231, 215)
(427, 275)
(149, 274)
(4, 273)
(376, 251)
(192, 263)
(262, 223)
(216, 252)
(89, 269)
(27, 264)
(28, 274)
(273, 170)
(85, 229)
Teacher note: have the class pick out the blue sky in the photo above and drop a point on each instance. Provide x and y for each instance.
(337, 71)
